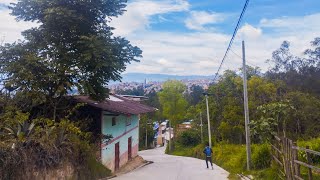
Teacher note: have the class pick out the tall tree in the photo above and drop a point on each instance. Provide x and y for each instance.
(73, 47)
(298, 73)
(172, 101)
(195, 95)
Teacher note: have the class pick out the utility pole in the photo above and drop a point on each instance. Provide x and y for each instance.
(201, 128)
(170, 136)
(246, 108)
(208, 117)
(146, 135)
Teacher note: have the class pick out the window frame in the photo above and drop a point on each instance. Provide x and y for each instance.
(128, 121)
(114, 121)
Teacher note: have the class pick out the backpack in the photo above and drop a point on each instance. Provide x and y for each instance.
(207, 151)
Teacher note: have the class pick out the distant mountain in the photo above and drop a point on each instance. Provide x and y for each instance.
(140, 77)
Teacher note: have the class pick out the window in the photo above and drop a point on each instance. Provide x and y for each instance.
(114, 121)
(128, 120)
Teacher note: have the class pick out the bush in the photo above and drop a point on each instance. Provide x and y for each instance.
(189, 138)
(230, 156)
(42, 144)
(261, 156)
(313, 144)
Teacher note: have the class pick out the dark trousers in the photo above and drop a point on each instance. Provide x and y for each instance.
(208, 159)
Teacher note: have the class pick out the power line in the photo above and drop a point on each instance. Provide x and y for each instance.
(250, 63)
(232, 38)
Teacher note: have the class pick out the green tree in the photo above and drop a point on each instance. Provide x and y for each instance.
(303, 121)
(274, 119)
(298, 73)
(72, 48)
(195, 95)
(172, 101)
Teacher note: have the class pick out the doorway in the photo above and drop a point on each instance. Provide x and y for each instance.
(129, 148)
(117, 157)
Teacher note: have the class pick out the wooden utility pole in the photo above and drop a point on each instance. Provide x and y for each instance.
(246, 108)
(208, 118)
(146, 134)
(170, 136)
(201, 128)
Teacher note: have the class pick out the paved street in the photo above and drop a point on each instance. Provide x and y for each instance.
(167, 167)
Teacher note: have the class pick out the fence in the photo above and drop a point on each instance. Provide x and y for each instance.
(285, 154)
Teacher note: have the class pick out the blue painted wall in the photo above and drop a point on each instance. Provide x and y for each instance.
(120, 132)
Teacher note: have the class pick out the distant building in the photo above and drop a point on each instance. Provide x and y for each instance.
(164, 134)
(184, 126)
(119, 117)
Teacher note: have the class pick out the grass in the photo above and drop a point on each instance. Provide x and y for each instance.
(231, 157)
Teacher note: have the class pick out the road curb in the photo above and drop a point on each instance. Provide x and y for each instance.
(145, 164)
(142, 165)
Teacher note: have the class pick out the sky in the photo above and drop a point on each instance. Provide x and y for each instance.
(189, 37)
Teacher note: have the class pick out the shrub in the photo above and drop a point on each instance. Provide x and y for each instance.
(261, 156)
(44, 145)
(189, 138)
(230, 156)
(313, 144)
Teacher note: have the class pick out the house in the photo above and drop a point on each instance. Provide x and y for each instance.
(119, 117)
(164, 134)
(184, 126)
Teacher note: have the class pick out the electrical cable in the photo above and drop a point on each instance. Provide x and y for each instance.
(232, 38)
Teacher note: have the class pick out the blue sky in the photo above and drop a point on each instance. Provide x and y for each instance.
(190, 36)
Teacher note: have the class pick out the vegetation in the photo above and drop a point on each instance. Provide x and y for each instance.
(44, 144)
(71, 50)
(284, 101)
(189, 138)
(146, 126)
(173, 103)
(73, 47)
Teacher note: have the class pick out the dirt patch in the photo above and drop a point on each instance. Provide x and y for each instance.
(131, 165)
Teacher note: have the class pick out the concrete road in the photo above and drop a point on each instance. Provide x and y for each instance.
(167, 167)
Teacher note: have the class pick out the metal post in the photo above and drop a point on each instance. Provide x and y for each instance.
(201, 128)
(246, 108)
(208, 117)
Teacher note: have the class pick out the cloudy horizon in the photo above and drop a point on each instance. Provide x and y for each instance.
(188, 37)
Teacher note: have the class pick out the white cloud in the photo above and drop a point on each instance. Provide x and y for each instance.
(293, 23)
(139, 13)
(10, 29)
(197, 52)
(248, 31)
(201, 52)
(198, 19)
(7, 2)
(299, 31)
(178, 53)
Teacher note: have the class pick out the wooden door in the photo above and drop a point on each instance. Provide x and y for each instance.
(117, 156)
(129, 148)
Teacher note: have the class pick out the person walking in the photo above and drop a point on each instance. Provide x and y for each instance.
(208, 152)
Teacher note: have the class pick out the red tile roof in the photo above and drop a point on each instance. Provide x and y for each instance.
(120, 106)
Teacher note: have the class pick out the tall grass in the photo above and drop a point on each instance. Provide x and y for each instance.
(232, 157)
